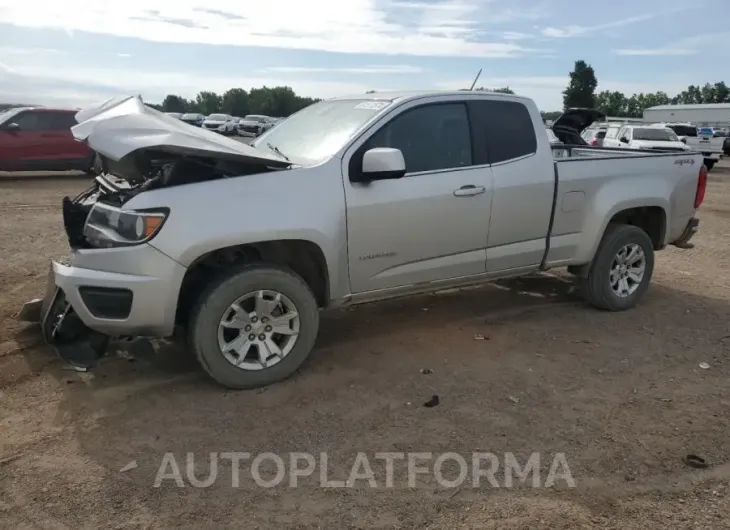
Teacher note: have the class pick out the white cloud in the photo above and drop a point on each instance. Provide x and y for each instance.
(575, 31)
(516, 35)
(46, 84)
(654, 51)
(448, 28)
(369, 69)
(689, 46)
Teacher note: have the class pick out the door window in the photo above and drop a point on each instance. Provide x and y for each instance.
(33, 121)
(505, 127)
(431, 137)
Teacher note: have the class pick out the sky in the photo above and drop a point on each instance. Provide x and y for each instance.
(80, 52)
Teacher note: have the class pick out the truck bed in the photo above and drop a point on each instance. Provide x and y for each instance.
(590, 182)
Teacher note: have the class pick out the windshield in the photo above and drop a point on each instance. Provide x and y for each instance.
(218, 117)
(660, 135)
(191, 116)
(254, 118)
(9, 113)
(318, 131)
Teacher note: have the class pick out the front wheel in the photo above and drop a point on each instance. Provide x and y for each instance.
(621, 270)
(254, 326)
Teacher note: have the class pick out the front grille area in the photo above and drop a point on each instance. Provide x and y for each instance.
(210, 126)
(249, 128)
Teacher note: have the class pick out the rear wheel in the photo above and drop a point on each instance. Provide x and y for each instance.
(621, 270)
(255, 326)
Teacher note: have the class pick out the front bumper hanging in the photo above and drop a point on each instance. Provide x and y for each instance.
(63, 330)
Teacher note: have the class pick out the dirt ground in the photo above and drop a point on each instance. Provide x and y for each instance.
(521, 366)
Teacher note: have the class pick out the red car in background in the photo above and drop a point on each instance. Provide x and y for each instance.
(40, 139)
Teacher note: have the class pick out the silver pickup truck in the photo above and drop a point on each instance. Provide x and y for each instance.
(350, 200)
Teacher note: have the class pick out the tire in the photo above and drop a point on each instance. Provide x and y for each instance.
(215, 302)
(597, 286)
(709, 164)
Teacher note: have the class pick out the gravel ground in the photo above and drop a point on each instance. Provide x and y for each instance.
(521, 367)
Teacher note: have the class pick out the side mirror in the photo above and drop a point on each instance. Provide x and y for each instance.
(12, 127)
(624, 140)
(381, 163)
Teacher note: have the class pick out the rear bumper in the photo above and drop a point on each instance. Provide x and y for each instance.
(693, 226)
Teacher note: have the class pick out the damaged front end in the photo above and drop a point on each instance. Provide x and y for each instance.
(139, 150)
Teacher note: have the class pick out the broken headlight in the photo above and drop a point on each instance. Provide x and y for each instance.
(109, 226)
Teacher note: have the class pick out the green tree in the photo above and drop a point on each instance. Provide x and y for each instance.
(208, 102)
(580, 91)
(235, 102)
(611, 103)
(173, 103)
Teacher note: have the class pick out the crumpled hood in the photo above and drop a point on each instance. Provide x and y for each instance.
(123, 125)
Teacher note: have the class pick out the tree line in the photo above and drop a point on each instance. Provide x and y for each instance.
(282, 101)
(279, 101)
(581, 92)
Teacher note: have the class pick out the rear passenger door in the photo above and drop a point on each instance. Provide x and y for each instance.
(431, 224)
(65, 147)
(524, 183)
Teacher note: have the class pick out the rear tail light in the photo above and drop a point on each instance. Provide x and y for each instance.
(701, 186)
(594, 142)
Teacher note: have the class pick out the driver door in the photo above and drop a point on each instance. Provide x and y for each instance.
(432, 224)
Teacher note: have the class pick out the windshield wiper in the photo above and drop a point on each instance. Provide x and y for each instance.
(277, 151)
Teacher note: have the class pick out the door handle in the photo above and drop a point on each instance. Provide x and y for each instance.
(469, 191)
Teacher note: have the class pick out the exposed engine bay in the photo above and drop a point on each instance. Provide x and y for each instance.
(120, 181)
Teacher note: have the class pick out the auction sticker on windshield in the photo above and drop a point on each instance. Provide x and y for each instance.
(372, 105)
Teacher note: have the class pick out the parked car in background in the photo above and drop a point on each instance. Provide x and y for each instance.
(594, 136)
(698, 139)
(254, 125)
(177, 115)
(222, 123)
(249, 293)
(726, 146)
(40, 139)
(193, 118)
(646, 137)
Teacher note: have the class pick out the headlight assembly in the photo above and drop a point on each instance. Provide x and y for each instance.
(109, 226)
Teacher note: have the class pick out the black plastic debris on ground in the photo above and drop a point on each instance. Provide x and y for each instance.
(433, 402)
(696, 462)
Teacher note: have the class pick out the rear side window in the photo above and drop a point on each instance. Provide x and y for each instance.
(506, 127)
(431, 137)
(612, 132)
(61, 120)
